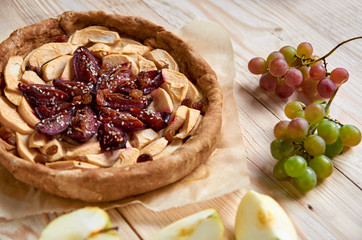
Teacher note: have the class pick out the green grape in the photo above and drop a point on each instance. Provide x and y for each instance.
(334, 149)
(295, 166)
(281, 129)
(314, 113)
(328, 130)
(305, 50)
(314, 145)
(350, 135)
(298, 128)
(290, 54)
(307, 181)
(281, 148)
(279, 171)
(324, 104)
(294, 109)
(322, 166)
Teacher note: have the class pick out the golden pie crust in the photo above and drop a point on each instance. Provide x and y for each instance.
(108, 184)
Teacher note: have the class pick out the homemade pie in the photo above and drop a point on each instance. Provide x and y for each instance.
(99, 107)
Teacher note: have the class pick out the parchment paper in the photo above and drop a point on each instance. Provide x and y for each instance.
(224, 173)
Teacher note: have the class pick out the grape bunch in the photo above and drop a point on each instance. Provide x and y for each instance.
(306, 143)
(291, 69)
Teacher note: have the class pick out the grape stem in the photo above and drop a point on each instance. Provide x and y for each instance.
(334, 120)
(334, 49)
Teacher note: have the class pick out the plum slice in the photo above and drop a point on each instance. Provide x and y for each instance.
(120, 119)
(73, 88)
(114, 77)
(46, 112)
(149, 81)
(111, 137)
(120, 101)
(55, 124)
(151, 118)
(84, 125)
(40, 94)
(85, 66)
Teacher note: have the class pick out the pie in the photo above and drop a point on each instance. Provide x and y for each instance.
(99, 107)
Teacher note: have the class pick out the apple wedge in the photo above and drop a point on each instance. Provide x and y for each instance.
(176, 85)
(135, 49)
(193, 93)
(141, 138)
(155, 147)
(100, 50)
(27, 113)
(115, 59)
(145, 65)
(10, 118)
(204, 225)
(82, 224)
(162, 101)
(93, 34)
(55, 67)
(22, 143)
(162, 59)
(12, 72)
(54, 150)
(176, 122)
(261, 217)
(78, 152)
(192, 117)
(14, 96)
(105, 159)
(6, 146)
(37, 139)
(68, 72)
(70, 165)
(31, 77)
(175, 144)
(50, 51)
(128, 157)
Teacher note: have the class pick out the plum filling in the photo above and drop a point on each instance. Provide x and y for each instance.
(107, 104)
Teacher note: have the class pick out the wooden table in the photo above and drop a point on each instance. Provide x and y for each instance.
(330, 211)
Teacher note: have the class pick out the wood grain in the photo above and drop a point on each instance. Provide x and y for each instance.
(333, 209)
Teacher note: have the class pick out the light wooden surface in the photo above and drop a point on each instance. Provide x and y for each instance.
(333, 209)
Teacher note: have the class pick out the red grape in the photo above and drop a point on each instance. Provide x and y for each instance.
(257, 65)
(294, 77)
(317, 72)
(268, 82)
(278, 67)
(283, 90)
(326, 87)
(339, 75)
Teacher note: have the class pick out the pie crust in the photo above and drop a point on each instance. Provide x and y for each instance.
(108, 184)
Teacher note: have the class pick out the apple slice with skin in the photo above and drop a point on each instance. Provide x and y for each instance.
(261, 217)
(141, 138)
(162, 101)
(55, 67)
(128, 157)
(162, 59)
(27, 113)
(70, 164)
(12, 72)
(22, 143)
(94, 34)
(82, 224)
(31, 77)
(173, 146)
(191, 120)
(155, 147)
(9, 117)
(204, 225)
(176, 122)
(176, 85)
